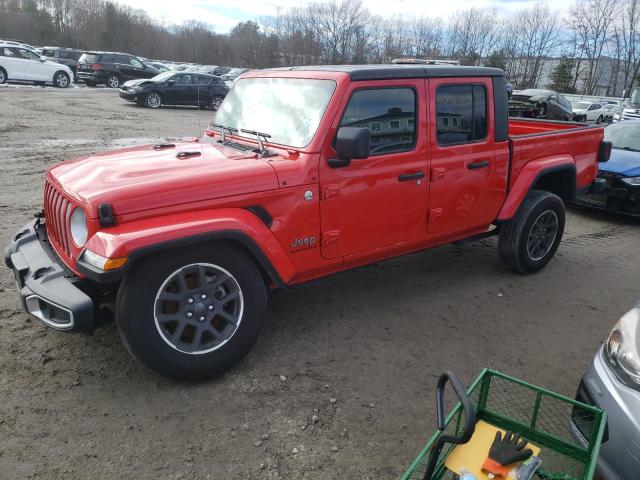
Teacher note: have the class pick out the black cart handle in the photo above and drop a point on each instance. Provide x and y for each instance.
(469, 419)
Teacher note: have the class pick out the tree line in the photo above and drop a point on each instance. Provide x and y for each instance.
(597, 41)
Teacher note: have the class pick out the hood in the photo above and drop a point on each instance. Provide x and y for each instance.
(622, 162)
(136, 82)
(141, 178)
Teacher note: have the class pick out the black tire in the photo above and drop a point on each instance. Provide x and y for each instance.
(113, 81)
(3, 76)
(138, 298)
(61, 80)
(599, 120)
(519, 246)
(215, 102)
(153, 100)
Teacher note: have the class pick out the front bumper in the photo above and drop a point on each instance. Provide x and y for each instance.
(620, 453)
(47, 290)
(129, 95)
(615, 195)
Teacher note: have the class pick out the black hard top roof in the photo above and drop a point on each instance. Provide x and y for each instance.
(383, 72)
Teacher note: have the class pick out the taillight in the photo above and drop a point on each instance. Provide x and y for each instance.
(97, 66)
(604, 153)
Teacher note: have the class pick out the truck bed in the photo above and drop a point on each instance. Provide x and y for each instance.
(534, 139)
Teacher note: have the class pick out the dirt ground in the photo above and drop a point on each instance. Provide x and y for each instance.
(374, 339)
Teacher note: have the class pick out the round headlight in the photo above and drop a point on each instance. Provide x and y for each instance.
(78, 227)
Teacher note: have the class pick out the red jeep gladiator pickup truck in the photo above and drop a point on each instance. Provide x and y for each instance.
(305, 172)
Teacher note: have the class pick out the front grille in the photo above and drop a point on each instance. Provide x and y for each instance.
(57, 212)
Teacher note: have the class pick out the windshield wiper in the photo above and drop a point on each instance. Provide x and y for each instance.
(260, 136)
(223, 129)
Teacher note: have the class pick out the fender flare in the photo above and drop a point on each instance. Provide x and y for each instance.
(140, 238)
(528, 177)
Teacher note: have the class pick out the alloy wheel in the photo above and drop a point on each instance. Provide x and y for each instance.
(113, 81)
(62, 80)
(216, 102)
(542, 235)
(198, 308)
(153, 100)
(2, 77)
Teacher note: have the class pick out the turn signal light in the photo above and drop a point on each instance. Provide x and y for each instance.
(114, 263)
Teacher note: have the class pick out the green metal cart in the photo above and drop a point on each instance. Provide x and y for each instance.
(568, 432)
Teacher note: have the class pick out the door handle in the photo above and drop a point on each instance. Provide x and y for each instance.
(406, 177)
(476, 165)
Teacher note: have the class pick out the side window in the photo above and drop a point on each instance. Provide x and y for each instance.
(184, 79)
(135, 62)
(390, 114)
(7, 52)
(108, 58)
(461, 114)
(29, 55)
(202, 80)
(595, 106)
(122, 59)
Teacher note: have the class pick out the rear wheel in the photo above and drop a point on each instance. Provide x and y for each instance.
(61, 80)
(3, 76)
(530, 239)
(153, 100)
(113, 81)
(195, 313)
(216, 101)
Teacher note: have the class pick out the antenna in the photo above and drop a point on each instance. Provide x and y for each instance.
(198, 93)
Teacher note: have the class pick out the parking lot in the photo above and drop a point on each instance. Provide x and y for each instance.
(341, 381)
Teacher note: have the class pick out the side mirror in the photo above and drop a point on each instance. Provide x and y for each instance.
(352, 143)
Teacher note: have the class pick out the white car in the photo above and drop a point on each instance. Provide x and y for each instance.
(23, 64)
(585, 111)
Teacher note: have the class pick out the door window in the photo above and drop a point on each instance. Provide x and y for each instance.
(202, 80)
(8, 52)
(183, 79)
(389, 113)
(109, 58)
(135, 62)
(461, 114)
(123, 59)
(28, 54)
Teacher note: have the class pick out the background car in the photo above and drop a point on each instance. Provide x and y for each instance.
(535, 103)
(176, 88)
(610, 109)
(621, 172)
(233, 74)
(612, 383)
(64, 56)
(23, 64)
(585, 111)
(158, 66)
(111, 68)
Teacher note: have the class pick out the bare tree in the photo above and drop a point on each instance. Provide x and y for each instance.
(592, 21)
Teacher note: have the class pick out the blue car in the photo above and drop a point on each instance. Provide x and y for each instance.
(621, 172)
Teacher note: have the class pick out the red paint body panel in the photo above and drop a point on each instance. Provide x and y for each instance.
(324, 220)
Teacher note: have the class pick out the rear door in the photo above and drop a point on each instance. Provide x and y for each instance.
(184, 89)
(468, 181)
(13, 62)
(379, 201)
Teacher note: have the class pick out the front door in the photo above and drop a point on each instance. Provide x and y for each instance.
(379, 201)
(468, 179)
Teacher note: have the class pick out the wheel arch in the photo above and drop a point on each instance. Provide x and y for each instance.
(557, 176)
(143, 238)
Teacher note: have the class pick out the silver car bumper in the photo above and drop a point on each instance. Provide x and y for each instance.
(620, 453)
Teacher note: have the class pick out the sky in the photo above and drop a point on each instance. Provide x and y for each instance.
(223, 15)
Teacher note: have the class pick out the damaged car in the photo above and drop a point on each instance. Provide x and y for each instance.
(536, 103)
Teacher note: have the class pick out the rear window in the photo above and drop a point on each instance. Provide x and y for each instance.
(461, 114)
(89, 58)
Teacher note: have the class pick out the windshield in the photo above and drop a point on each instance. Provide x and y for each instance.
(288, 109)
(635, 97)
(624, 136)
(163, 77)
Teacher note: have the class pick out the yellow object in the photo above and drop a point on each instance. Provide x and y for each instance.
(472, 454)
(113, 263)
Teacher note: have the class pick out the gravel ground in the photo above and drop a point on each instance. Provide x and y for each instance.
(345, 369)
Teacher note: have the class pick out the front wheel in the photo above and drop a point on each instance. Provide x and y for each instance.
(153, 100)
(61, 80)
(194, 313)
(3, 76)
(530, 239)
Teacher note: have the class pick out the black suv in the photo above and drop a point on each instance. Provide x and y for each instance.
(65, 56)
(111, 68)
